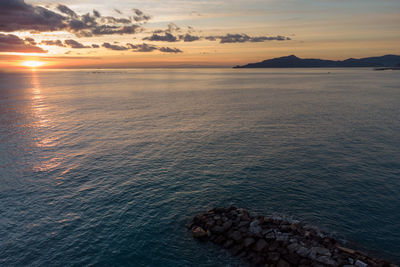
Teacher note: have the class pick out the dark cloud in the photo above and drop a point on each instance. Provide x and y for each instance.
(139, 16)
(244, 38)
(189, 38)
(30, 40)
(96, 13)
(52, 42)
(16, 15)
(141, 48)
(115, 47)
(172, 27)
(108, 30)
(166, 37)
(12, 43)
(170, 50)
(66, 10)
(74, 44)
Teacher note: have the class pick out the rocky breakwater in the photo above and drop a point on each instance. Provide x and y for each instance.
(274, 241)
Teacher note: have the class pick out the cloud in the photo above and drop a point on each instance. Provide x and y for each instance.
(189, 38)
(30, 40)
(66, 10)
(16, 15)
(244, 38)
(52, 42)
(95, 46)
(139, 16)
(75, 44)
(12, 43)
(141, 48)
(170, 50)
(167, 37)
(115, 47)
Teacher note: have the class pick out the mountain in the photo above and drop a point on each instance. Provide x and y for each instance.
(295, 62)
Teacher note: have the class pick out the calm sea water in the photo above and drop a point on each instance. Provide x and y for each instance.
(106, 167)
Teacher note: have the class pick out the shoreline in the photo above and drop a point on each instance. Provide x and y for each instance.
(275, 241)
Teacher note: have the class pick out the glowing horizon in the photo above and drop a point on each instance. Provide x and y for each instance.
(155, 33)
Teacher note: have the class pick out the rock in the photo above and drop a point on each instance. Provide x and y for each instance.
(273, 246)
(347, 250)
(236, 235)
(273, 256)
(217, 229)
(260, 245)
(292, 258)
(285, 228)
(244, 217)
(270, 236)
(248, 241)
(219, 240)
(227, 225)
(312, 255)
(303, 251)
(326, 260)
(255, 228)
(361, 264)
(305, 262)
(321, 251)
(283, 263)
(266, 231)
(274, 241)
(293, 247)
(282, 237)
(243, 223)
(199, 232)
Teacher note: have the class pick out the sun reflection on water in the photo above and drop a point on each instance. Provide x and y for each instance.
(43, 124)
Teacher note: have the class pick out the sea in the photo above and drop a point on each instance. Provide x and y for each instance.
(106, 167)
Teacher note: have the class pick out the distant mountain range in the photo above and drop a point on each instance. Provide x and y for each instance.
(295, 62)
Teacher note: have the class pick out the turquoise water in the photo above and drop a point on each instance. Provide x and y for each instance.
(106, 167)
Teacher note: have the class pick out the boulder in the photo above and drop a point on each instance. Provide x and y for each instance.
(283, 263)
(260, 245)
(217, 229)
(361, 264)
(255, 227)
(273, 256)
(248, 241)
(199, 232)
(236, 236)
(227, 225)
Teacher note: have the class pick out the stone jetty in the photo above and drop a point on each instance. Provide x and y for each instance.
(275, 241)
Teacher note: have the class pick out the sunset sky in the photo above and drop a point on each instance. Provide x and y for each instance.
(167, 33)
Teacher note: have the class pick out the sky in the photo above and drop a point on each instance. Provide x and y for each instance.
(178, 33)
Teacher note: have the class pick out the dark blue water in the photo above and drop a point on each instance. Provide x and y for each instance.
(106, 168)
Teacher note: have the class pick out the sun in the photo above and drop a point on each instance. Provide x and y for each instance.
(32, 64)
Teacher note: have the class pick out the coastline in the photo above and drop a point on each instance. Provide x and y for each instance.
(275, 241)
